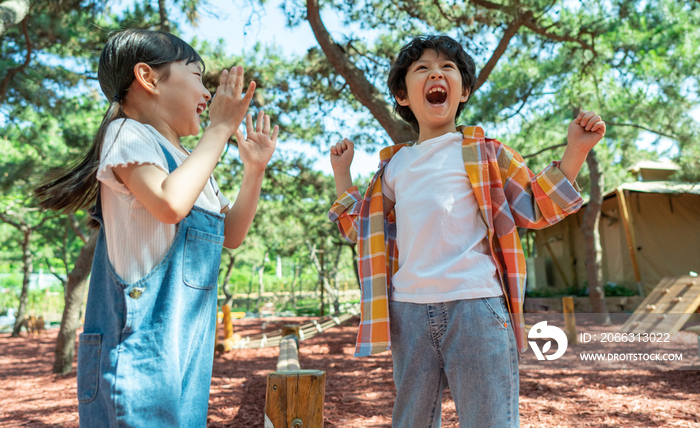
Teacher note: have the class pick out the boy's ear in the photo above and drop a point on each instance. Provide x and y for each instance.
(465, 95)
(146, 77)
(401, 99)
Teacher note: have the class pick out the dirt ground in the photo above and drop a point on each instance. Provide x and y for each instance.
(359, 391)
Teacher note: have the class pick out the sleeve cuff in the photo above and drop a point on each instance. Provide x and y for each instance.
(559, 189)
(344, 202)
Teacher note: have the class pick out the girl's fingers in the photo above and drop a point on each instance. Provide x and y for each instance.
(266, 125)
(249, 93)
(593, 122)
(224, 78)
(239, 136)
(259, 122)
(275, 132)
(249, 124)
(238, 81)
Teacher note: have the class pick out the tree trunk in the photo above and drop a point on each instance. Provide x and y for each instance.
(27, 268)
(164, 22)
(12, 12)
(227, 278)
(74, 295)
(365, 92)
(261, 282)
(297, 271)
(591, 219)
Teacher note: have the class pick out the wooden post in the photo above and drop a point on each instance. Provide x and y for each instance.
(629, 234)
(294, 399)
(228, 326)
(569, 318)
(321, 275)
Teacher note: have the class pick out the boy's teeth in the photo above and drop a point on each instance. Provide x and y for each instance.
(436, 95)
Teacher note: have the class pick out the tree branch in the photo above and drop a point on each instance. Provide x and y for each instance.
(544, 150)
(163, 14)
(365, 92)
(53, 271)
(508, 34)
(532, 25)
(11, 73)
(673, 137)
(76, 227)
(4, 217)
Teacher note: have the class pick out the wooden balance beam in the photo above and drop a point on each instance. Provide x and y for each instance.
(294, 397)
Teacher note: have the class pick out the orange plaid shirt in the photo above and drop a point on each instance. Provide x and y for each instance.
(509, 196)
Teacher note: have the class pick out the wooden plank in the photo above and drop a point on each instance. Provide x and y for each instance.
(667, 308)
(295, 399)
(629, 234)
(289, 354)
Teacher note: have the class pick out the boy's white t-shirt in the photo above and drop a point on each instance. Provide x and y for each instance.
(442, 240)
(136, 240)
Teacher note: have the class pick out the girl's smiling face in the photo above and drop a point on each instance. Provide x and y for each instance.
(433, 93)
(182, 98)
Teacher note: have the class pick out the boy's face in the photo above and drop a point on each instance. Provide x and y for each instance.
(434, 91)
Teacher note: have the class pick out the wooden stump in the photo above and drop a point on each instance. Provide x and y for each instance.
(294, 399)
(569, 319)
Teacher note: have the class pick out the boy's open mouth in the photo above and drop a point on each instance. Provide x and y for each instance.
(436, 95)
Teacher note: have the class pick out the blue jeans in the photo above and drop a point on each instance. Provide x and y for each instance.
(464, 344)
(147, 348)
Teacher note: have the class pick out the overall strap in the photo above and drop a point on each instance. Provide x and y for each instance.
(172, 165)
(169, 158)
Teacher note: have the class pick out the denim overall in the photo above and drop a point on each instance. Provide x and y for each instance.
(146, 351)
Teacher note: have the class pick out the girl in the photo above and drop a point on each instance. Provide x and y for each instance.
(146, 351)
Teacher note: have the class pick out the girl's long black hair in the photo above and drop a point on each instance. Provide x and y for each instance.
(76, 186)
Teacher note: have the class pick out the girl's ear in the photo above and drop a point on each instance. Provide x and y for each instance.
(146, 77)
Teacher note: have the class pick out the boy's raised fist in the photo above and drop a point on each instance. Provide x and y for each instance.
(342, 154)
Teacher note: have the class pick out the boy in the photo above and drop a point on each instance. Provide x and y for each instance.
(439, 251)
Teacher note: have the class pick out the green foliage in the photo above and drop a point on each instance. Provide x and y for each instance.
(611, 290)
(634, 62)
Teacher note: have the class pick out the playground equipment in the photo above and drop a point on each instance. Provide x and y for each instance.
(673, 295)
(294, 397)
(269, 340)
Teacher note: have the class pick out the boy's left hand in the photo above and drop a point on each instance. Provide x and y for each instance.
(257, 147)
(585, 131)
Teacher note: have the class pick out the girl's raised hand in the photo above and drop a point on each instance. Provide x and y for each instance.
(342, 154)
(229, 107)
(257, 147)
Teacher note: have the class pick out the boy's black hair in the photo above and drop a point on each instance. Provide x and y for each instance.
(411, 52)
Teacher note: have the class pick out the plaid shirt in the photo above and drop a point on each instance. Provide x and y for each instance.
(509, 196)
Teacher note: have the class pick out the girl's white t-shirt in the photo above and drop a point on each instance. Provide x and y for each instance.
(442, 240)
(136, 240)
